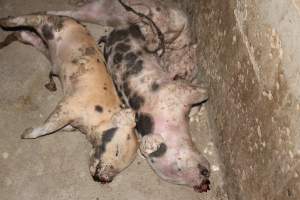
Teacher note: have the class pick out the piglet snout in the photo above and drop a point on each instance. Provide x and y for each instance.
(203, 187)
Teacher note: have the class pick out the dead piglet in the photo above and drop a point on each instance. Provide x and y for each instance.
(162, 107)
(180, 57)
(90, 102)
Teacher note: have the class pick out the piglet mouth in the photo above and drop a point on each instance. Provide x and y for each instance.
(102, 180)
(203, 187)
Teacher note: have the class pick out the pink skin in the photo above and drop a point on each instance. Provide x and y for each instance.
(180, 57)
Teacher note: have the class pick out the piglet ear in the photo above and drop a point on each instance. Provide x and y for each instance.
(195, 95)
(190, 94)
(125, 117)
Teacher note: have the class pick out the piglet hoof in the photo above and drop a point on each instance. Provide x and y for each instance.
(26, 133)
(51, 86)
(150, 144)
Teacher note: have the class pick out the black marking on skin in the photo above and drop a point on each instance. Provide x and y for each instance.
(90, 51)
(160, 151)
(74, 61)
(137, 68)
(106, 138)
(144, 124)
(99, 108)
(122, 47)
(155, 86)
(117, 58)
(117, 152)
(108, 134)
(136, 101)
(48, 32)
(133, 70)
(117, 35)
(104, 88)
(130, 58)
(126, 89)
(128, 137)
(135, 32)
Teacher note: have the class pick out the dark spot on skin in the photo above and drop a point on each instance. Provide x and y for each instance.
(117, 152)
(130, 58)
(104, 88)
(122, 47)
(126, 89)
(160, 151)
(128, 137)
(152, 161)
(99, 108)
(106, 138)
(154, 86)
(74, 61)
(117, 58)
(133, 70)
(136, 102)
(144, 124)
(47, 32)
(90, 51)
(135, 32)
(98, 60)
(158, 9)
(117, 35)
(137, 68)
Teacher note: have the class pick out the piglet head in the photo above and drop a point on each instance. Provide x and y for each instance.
(178, 163)
(192, 169)
(115, 147)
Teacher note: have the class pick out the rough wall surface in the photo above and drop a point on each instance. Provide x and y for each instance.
(249, 54)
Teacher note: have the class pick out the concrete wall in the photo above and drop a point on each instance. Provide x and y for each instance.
(249, 54)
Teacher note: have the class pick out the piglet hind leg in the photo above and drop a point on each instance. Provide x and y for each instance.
(31, 38)
(57, 120)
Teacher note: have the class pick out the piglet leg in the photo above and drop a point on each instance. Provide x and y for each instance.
(58, 119)
(30, 38)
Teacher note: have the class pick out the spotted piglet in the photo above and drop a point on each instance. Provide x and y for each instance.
(90, 102)
(162, 106)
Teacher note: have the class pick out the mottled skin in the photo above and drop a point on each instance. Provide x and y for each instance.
(146, 82)
(179, 60)
(90, 102)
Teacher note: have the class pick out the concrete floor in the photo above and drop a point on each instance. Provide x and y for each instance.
(56, 166)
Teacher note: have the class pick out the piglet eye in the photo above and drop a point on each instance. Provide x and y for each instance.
(205, 172)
